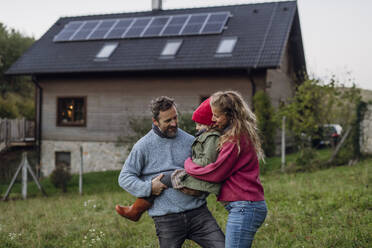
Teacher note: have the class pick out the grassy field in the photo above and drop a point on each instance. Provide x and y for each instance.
(325, 208)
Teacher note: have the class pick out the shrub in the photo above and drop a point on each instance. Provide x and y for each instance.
(61, 176)
(186, 123)
(142, 125)
(26, 109)
(266, 122)
(8, 109)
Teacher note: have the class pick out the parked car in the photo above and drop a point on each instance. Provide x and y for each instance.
(328, 135)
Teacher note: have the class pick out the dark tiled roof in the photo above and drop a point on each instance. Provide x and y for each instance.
(263, 31)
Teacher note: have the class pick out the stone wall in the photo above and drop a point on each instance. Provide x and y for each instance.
(366, 128)
(97, 156)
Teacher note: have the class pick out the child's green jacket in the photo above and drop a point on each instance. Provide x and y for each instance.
(204, 152)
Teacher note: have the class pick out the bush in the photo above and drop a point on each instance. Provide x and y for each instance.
(186, 123)
(266, 122)
(26, 109)
(61, 176)
(142, 125)
(8, 109)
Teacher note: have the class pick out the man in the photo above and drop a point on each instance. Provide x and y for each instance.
(177, 216)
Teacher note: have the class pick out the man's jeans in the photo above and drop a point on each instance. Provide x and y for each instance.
(197, 224)
(245, 217)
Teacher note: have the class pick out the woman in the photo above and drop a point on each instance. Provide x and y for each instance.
(236, 167)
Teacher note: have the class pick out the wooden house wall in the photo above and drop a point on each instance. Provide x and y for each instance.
(281, 82)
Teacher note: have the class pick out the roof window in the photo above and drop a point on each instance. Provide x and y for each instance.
(106, 51)
(226, 45)
(171, 48)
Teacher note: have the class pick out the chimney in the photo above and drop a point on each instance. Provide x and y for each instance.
(156, 4)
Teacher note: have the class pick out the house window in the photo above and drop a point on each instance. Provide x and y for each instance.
(71, 111)
(63, 159)
(171, 48)
(226, 45)
(106, 51)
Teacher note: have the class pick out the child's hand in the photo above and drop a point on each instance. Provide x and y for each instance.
(157, 186)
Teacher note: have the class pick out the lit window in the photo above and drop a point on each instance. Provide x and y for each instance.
(71, 111)
(171, 48)
(227, 45)
(106, 50)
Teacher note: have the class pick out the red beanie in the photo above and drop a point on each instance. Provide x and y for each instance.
(203, 114)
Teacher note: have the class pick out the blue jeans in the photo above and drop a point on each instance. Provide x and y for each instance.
(197, 224)
(245, 217)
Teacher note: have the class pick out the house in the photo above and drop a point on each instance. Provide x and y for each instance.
(94, 73)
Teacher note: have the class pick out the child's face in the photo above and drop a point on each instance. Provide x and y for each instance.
(219, 118)
(200, 127)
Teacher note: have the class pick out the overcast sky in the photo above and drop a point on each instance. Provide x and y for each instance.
(337, 34)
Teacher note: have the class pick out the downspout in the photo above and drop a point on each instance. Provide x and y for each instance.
(38, 104)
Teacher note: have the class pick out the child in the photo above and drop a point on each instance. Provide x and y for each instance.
(236, 167)
(204, 151)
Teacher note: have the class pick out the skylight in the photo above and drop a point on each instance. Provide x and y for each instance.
(171, 48)
(227, 45)
(106, 50)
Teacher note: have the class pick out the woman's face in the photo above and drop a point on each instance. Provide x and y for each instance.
(219, 118)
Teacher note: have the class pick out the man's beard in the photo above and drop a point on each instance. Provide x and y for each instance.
(170, 132)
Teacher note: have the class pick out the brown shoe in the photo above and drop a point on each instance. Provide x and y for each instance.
(135, 211)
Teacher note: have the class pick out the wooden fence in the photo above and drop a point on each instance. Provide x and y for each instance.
(16, 132)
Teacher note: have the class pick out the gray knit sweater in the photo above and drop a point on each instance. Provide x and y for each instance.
(151, 156)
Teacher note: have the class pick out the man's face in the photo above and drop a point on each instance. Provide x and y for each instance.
(167, 122)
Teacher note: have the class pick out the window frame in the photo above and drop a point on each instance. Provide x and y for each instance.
(171, 55)
(59, 122)
(56, 162)
(230, 51)
(110, 52)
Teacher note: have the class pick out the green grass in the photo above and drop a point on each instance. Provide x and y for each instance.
(325, 208)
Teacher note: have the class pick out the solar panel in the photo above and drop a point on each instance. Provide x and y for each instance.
(85, 30)
(119, 28)
(101, 30)
(175, 25)
(137, 28)
(156, 26)
(215, 23)
(68, 31)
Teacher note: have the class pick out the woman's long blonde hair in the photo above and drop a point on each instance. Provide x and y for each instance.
(241, 119)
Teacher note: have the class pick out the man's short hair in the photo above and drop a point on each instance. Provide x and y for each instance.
(161, 103)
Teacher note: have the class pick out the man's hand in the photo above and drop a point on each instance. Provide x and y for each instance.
(157, 186)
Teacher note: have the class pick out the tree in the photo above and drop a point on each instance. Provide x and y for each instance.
(266, 121)
(316, 104)
(12, 45)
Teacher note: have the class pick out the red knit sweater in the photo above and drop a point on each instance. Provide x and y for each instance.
(238, 173)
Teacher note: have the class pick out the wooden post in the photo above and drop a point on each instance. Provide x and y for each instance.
(283, 144)
(34, 177)
(24, 129)
(6, 132)
(81, 171)
(12, 182)
(24, 176)
(339, 145)
(25, 166)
